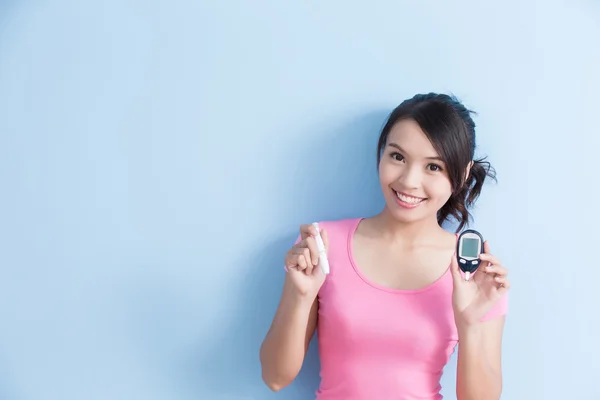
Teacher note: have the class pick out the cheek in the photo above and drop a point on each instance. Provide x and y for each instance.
(386, 174)
(440, 187)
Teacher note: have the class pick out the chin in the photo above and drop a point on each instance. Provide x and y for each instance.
(405, 215)
(410, 214)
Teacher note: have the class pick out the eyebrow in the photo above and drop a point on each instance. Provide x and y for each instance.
(402, 151)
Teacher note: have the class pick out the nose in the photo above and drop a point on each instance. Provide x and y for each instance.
(411, 178)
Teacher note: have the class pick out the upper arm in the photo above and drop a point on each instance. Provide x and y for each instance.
(312, 323)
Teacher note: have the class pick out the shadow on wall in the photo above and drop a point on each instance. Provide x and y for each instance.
(7, 390)
(343, 171)
(7, 386)
(6, 8)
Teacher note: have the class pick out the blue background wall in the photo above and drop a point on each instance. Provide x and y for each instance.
(156, 159)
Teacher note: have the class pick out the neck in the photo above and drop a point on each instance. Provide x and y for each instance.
(408, 233)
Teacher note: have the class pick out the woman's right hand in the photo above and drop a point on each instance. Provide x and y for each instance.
(302, 262)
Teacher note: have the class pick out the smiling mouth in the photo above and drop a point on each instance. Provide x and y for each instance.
(409, 199)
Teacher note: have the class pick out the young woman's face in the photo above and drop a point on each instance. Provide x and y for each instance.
(413, 177)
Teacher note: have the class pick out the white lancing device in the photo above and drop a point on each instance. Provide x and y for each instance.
(323, 262)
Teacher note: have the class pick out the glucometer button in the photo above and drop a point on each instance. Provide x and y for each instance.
(463, 261)
(474, 262)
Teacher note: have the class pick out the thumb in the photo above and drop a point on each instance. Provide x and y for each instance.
(456, 276)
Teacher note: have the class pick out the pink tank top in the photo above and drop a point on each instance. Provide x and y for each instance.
(380, 343)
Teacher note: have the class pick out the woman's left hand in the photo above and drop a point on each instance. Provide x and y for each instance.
(474, 298)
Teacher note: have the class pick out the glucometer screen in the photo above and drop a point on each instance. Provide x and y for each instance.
(470, 247)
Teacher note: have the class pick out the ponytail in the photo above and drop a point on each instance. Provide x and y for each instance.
(465, 196)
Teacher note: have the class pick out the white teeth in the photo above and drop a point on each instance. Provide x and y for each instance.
(406, 199)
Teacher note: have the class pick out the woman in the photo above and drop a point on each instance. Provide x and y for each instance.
(395, 305)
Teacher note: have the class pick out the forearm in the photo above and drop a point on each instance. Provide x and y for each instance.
(478, 377)
(283, 350)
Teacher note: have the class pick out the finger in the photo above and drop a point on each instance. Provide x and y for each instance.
(293, 263)
(291, 258)
(300, 246)
(486, 247)
(307, 230)
(496, 269)
(308, 261)
(298, 259)
(503, 284)
(300, 262)
(479, 276)
(311, 243)
(298, 249)
(289, 263)
(490, 258)
(317, 272)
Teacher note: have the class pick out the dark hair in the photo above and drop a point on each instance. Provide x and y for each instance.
(451, 130)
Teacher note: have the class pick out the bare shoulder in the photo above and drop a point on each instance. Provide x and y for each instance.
(449, 238)
(339, 224)
(338, 230)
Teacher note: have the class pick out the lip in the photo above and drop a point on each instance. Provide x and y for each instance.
(404, 204)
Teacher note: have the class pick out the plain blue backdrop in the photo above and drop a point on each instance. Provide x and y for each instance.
(157, 158)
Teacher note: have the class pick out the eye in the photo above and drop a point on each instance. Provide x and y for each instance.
(397, 156)
(434, 167)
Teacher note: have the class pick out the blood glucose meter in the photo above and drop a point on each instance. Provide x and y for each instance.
(468, 249)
